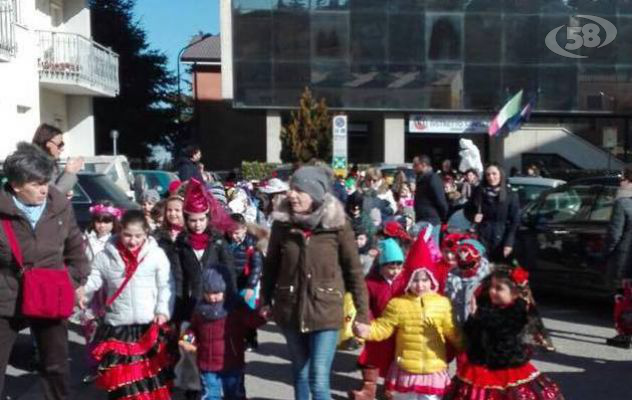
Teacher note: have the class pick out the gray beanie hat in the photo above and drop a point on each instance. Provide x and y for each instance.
(313, 181)
(150, 196)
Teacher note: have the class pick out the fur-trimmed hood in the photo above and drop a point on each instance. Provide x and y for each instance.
(334, 216)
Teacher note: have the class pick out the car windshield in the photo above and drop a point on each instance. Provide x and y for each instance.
(99, 187)
(567, 204)
(528, 193)
(158, 180)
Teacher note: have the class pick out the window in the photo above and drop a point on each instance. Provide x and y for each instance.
(602, 209)
(79, 195)
(565, 205)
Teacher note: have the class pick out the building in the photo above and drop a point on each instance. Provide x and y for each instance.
(50, 71)
(215, 120)
(415, 76)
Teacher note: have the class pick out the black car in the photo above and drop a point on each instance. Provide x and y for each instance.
(562, 237)
(92, 187)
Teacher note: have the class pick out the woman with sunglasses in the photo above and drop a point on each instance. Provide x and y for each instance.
(51, 139)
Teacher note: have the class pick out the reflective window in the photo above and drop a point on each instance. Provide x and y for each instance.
(439, 54)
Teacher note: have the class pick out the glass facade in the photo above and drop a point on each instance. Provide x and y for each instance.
(431, 54)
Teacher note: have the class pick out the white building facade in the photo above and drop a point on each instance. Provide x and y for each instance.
(50, 72)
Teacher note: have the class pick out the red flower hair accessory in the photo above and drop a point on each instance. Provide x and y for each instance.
(520, 276)
(100, 209)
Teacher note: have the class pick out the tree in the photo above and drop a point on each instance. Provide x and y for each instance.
(308, 136)
(145, 111)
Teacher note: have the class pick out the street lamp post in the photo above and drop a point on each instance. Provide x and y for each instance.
(114, 134)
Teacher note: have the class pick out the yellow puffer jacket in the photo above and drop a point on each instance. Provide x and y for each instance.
(424, 325)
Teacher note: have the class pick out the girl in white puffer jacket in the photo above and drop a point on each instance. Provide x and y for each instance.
(136, 273)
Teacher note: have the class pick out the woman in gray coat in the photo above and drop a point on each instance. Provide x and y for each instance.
(619, 249)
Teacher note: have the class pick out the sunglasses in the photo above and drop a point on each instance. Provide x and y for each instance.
(59, 145)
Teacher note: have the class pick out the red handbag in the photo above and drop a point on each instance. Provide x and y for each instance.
(46, 293)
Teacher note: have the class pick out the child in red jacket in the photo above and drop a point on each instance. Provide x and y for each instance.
(377, 357)
(217, 334)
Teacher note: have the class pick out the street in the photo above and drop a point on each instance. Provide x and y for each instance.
(583, 365)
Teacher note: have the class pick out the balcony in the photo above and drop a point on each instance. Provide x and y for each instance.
(73, 64)
(8, 44)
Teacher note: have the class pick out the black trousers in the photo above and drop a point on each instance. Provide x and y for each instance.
(51, 337)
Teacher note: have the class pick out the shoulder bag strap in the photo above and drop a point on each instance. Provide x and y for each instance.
(13, 242)
(123, 285)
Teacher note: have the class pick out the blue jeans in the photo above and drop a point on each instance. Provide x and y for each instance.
(230, 383)
(312, 355)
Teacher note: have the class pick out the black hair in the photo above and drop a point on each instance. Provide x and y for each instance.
(134, 217)
(43, 134)
(503, 180)
(116, 225)
(238, 218)
(191, 150)
(424, 159)
(28, 164)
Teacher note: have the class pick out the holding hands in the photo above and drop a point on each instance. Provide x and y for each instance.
(361, 330)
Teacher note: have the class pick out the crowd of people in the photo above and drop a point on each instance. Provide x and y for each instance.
(171, 295)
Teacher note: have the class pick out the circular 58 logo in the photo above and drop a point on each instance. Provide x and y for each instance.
(582, 36)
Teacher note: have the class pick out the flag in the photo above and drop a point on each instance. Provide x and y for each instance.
(509, 110)
(515, 122)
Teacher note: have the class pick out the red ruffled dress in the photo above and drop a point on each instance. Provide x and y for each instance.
(134, 360)
(496, 366)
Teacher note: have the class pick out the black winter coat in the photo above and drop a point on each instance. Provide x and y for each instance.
(431, 204)
(241, 258)
(501, 219)
(619, 238)
(187, 169)
(216, 252)
(494, 335)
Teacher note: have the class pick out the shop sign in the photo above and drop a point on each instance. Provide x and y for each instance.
(422, 123)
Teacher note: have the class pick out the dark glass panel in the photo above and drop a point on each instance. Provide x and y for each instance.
(493, 6)
(523, 6)
(624, 40)
(330, 35)
(445, 5)
(483, 28)
(481, 87)
(291, 35)
(369, 32)
(546, 25)
(289, 81)
(254, 83)
(252, 36)
(368, 5)
(444, 35)
(406, 5)
(520, 32)
(558, 87)
(406, 38)
(597, 7)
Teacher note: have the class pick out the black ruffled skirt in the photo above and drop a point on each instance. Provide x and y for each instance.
(134, 362)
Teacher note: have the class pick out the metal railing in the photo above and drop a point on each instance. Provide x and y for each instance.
(8, 44)
(74, 59)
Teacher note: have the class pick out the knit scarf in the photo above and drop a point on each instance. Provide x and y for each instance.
(492, 191)
(212, 311)
(174, 230)
(129, 257)
(309, 221)
(198, 241)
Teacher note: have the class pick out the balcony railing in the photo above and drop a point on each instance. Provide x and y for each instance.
(8, 44)
(75, 64)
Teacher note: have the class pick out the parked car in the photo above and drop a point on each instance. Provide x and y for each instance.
(157, 180)
(114, 167)
(389, 170)
(562, 236)
(92, 187)
(529, 188)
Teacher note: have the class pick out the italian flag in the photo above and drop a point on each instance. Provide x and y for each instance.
(509, 110)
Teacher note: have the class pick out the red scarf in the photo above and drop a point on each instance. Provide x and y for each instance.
(130, 257)
(198, 241)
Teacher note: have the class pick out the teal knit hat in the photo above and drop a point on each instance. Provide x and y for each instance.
(390, 252)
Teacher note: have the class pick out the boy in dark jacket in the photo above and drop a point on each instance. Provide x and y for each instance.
(248, 264)
(217, 334)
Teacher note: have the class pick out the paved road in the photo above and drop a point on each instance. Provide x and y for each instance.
(583, 365)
